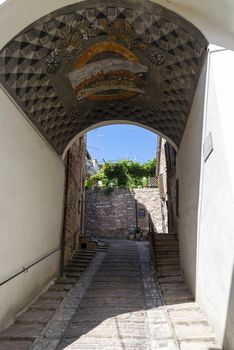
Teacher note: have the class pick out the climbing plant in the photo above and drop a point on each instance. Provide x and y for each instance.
(122, 174)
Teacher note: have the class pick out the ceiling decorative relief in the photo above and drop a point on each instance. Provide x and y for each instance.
(102, 60)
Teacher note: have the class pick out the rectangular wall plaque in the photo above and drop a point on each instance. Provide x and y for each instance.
(208, 147)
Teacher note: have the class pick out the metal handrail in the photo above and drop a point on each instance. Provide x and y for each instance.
(25, 269)
(152, 241)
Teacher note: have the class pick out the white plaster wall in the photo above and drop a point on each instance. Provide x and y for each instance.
(31, 193)
(206, 197)
(188, 173)
(215, 254)
(213, 17)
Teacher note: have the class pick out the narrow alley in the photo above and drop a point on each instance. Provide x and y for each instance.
(116, 304)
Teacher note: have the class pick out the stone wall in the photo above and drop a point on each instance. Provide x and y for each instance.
(114, 214)
(149, 199)
(74, 197)
(166, 175)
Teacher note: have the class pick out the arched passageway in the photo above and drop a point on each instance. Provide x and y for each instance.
(99, 62)
(88, 63)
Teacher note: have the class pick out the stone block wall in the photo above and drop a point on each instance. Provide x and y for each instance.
(113, 215)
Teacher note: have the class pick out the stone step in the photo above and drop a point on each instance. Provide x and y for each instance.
(55, 295)
(173, 286)
(73, 274)
(73, 269)
(167, 253)
(45, 304)
(167, 249)
(166, 236)
(187, 316)
(170, 279)
(77, 265)
(169, 241)
(177, 293)
(161, 267)
(190, 306)
(101, 249)
(81, 258)
(86, 251)
(35, 316)
(176, 299)
(16, 345)
(167, 260)
(85, 254)
(168, 274)
(194, 332)
(61, 287)
(200, 345)
(65, 281)
(22, 332)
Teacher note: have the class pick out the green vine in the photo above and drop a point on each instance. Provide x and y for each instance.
(122, 174)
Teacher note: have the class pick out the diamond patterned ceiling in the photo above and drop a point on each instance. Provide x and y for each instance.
(104, 60)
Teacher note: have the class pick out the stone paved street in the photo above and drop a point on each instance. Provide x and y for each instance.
(123, 309)
(116, 304)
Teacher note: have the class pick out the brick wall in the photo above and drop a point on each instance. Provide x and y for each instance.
(74, 197)
(114, 215)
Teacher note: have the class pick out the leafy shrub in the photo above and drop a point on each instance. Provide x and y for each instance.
(122, 174)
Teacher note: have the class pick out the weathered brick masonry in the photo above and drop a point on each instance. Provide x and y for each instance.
(114, 214)
(74, 197)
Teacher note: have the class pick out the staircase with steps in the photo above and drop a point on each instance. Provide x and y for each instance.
(30, 324)
(167, 253)
(166, 257)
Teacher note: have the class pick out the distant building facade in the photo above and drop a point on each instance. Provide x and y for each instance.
(168, 184)
(73, 224)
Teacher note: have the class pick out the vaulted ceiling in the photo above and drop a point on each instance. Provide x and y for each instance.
(98, 61)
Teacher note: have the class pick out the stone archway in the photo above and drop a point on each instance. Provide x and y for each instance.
(151, 57)
(94, 62)
(154, 61)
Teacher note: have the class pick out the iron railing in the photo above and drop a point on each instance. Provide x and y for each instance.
(152, 241)
(25, 269)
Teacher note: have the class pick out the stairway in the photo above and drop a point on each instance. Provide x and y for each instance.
(166, 257)
(78, 264)
(30, 324)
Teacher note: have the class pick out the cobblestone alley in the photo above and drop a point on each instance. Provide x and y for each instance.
(117, 305)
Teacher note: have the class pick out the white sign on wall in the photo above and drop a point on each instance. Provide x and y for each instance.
(208, 147)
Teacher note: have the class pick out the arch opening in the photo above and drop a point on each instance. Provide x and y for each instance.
(116, 122)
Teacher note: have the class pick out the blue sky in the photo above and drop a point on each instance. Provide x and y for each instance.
(116, 142)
